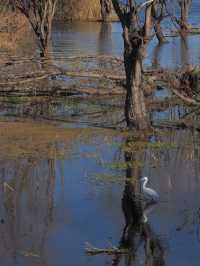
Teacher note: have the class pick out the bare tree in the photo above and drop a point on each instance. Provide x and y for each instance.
(138, 23)
(185, 8)
(40, 15)
(159, 13)
(106, 8)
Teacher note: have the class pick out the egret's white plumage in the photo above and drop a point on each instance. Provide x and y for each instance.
(148, 193)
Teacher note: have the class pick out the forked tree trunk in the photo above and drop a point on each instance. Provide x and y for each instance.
(185, 7)
(157, 26)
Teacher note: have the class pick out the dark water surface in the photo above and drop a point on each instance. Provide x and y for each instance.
(65, 184)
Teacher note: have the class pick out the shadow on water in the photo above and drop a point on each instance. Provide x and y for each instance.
(105, 39)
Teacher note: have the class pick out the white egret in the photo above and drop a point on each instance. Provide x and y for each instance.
(148, 193)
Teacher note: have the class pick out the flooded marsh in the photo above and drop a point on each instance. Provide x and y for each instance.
(70, 171)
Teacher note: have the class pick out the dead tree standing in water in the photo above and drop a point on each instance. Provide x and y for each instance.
(185, 8)
(136, 36)
(40, 15)
(106, 8)
(158, 13)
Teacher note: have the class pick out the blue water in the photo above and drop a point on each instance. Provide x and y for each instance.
(89, 38)
(60, 204)
(56, 204)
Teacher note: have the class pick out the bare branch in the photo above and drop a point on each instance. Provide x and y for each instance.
(141, 6)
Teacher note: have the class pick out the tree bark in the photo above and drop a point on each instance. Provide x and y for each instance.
(158, 17)
(185, 7)
(136, 37)
(159, 34)
(134, 49)
(106, 7)
(135, 108)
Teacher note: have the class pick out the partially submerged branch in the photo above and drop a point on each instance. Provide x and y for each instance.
(91, 250)
(184, 84)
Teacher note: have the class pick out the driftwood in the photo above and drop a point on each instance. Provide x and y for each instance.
(168, 77)
(91, 250)
(23, 80)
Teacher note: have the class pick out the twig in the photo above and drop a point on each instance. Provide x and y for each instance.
(8, 186)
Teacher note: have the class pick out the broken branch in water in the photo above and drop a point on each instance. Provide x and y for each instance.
(91, 250)
(6, 185)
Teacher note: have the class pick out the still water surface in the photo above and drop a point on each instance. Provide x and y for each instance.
(60, 189)
(69, 191)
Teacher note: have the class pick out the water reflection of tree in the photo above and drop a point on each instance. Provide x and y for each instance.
(105, 38)
(42, 107)
(157, 55)
(184, 51)
(26, 211)
(137, 230)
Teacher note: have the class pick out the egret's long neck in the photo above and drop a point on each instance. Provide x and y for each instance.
(144, 184)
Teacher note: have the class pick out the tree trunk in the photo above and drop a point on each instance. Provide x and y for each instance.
(185, 7)
(136, 38)
(135, 108)
(106, 8)
(159, 34)
(44, 48)
(158, 16)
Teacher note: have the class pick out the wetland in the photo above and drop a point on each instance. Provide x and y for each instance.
(69, 167)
